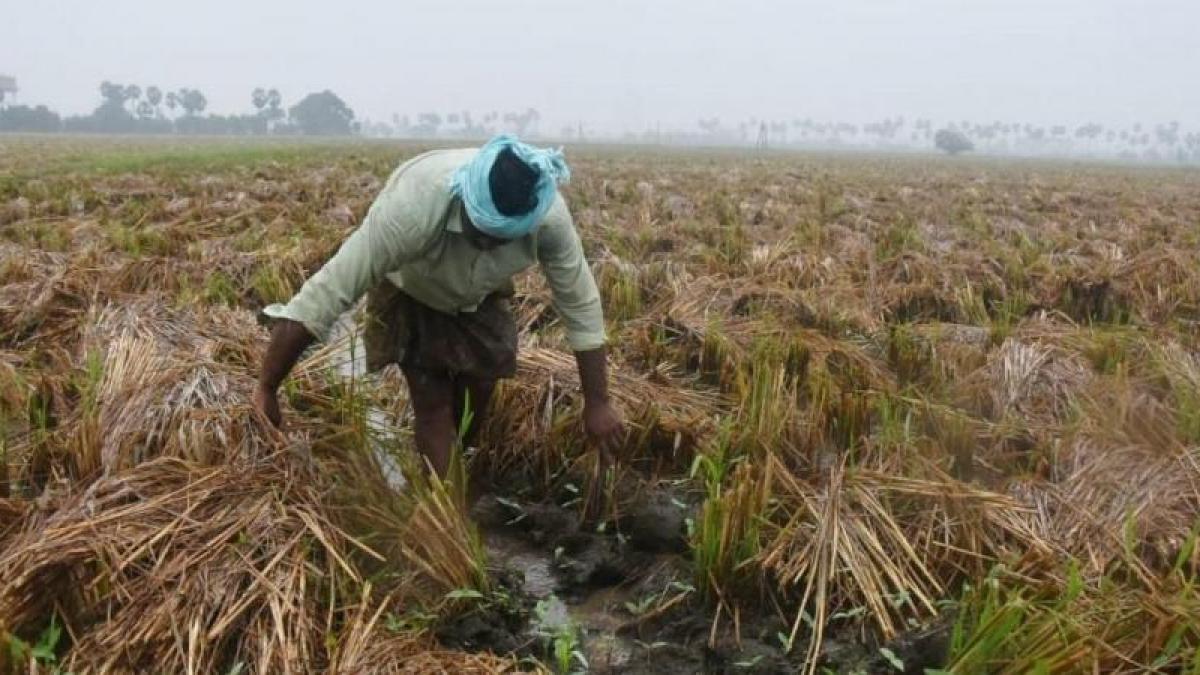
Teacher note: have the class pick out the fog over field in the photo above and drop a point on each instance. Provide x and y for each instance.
(628, 66)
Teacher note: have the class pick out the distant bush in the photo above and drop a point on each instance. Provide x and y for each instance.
(952, 141)
(24, 118)
(323, 114)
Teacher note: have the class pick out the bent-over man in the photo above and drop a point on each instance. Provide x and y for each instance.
(437, 252)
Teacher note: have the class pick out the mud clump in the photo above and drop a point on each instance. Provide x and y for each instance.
(588, 561)
(657, 523)
(499, 625)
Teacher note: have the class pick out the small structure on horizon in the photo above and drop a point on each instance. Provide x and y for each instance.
(764, 137)
(8, 87)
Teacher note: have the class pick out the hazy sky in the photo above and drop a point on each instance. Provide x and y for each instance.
(625, 64)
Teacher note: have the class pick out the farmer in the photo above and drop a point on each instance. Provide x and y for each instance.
(436, 255)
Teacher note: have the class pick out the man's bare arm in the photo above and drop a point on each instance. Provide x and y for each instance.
(601, 421)
(289, 339)
(593, 374)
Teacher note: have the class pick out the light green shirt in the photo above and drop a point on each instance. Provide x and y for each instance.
(413, 237)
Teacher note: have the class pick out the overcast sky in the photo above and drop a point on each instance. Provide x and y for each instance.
(623, 64)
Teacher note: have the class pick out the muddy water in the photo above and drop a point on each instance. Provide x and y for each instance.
(596, 614)
(534, 564)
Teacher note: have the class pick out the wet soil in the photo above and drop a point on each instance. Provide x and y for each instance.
(613, 586)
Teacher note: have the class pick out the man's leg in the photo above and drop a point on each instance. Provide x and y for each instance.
(472, 394)
(432, 396)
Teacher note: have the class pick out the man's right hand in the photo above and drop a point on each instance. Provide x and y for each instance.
(266, 401)
(288, 340)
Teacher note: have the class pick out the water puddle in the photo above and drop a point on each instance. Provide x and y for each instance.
(595, 615)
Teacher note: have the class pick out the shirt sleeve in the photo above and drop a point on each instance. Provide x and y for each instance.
(394, 232)
(576, 298)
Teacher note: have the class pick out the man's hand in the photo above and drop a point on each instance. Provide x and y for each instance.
(604, 426)
(601, 421)
(288, 340)
(266, 401)
(605, 433)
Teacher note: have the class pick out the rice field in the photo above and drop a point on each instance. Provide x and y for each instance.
(887, 414)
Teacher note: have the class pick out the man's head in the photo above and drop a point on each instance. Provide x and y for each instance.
(513, 184)
(508, 186)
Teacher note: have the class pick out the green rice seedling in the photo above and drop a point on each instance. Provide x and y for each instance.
(1108, 349)
(564, 637)
(14, 393)
(41, 654)
(621, 290)
(138, 240)
(718, 361)
(219, 289)
(1006, 313)
(733, 248)
(971, 307)
(894, 433)
(654, 345)
(900, 236)
(1010, 624)
(768, 394)
(250, 240)
(88, 440)
(271, 284)
(725, 536)
(713, 466)
(909, 356)
(989, 619)
(186, 294)
(47, 236)
(1006, 627)
(1173, 634)
(1181, 371)
(843, 418)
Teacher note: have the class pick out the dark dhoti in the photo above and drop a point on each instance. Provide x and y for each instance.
(480, 344)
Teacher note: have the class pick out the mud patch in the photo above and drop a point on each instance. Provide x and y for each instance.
(621, 597)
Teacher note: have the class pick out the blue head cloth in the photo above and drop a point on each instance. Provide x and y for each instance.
(470, 182)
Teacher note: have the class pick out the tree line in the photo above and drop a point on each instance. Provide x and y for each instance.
(132, 109)
(135, 109)
(1160, 142)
